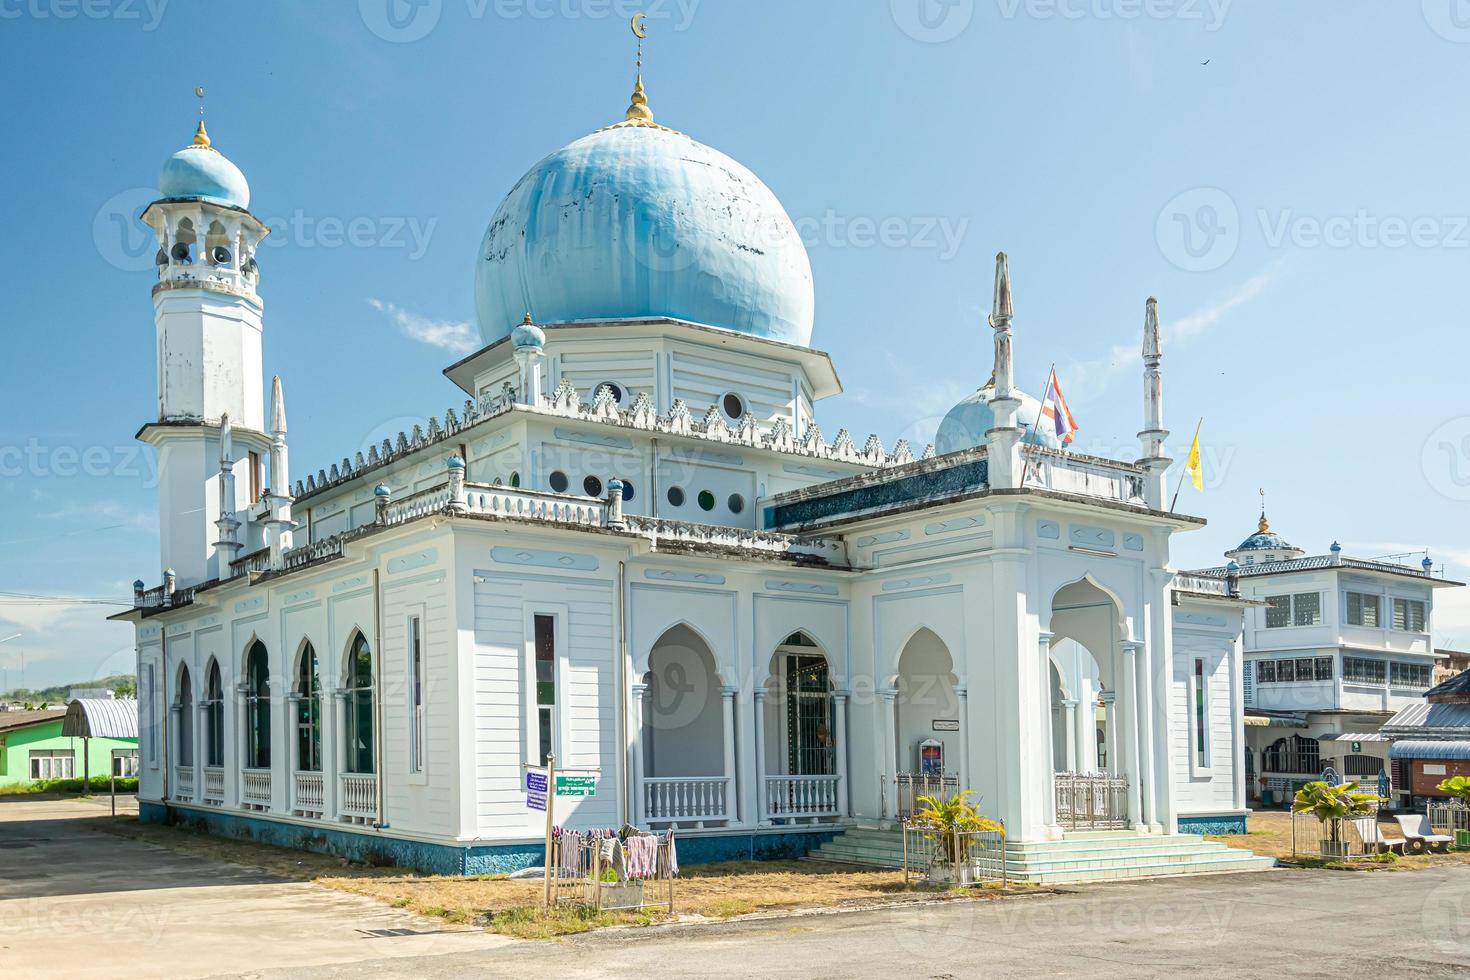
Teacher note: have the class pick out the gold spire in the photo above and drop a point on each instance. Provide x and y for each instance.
(1263, 525)
(638, 110)
(201, 138)
(528, 322)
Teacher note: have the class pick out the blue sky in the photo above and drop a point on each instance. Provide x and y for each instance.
(1298, 204)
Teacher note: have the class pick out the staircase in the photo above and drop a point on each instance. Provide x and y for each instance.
(1103, 855)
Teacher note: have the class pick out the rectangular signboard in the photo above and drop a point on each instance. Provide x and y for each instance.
(536, 781)
(535, 801)
(576, 785)
(946, 724)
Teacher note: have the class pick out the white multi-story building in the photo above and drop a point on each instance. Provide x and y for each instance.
(633, 550)
(1334, 646)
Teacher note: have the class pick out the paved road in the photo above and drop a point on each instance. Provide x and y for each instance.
(1276, 923)
(80, 903)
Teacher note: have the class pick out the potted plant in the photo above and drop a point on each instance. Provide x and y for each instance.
(1332, 805)
(946, 824)
(1459, 788)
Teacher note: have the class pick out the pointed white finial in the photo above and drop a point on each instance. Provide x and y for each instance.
(1001, 309)
(226, 440)
(1152, 344)
(278, 407)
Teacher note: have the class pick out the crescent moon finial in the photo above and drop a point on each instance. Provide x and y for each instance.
(639, 31)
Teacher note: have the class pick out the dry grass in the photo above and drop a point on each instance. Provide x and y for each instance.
(716, 891)
(1270, 836)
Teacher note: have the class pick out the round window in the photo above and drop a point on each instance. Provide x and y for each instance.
(559, 482)
(592, 487)
(733, 406)
(627, 490)
(515, 479)
(706, 500)
(614, 387)
(676, 496)
(736, 502)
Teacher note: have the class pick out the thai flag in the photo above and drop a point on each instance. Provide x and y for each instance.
(1055, 415)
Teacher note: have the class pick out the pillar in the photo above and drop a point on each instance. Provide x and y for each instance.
(1128, 734)
(760, 757)
(637, 810)
(1110, 728)
(839, 736)
(727, 707)
(1070, 706)
(1049, 787)
(962, 693)
(339, 746)
(1146, 748)
(888, 805)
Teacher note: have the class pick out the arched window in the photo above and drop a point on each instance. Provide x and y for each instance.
(184, 746)
(257, 708)
(308, 712)
(810, 741)
(359, 731)
(214, 717)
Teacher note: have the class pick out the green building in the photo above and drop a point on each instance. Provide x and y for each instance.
(33, 747)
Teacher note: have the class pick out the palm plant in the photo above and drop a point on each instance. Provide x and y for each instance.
(1331, 805)
(944, 821)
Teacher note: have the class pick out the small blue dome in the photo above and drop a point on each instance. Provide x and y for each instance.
(454, 463)
(199, 170)
(1264, 541)
(641, 221)
(966, 424)
(381, 490)
(527, 335)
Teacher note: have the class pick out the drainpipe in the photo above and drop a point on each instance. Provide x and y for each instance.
(381, 823)
(623, 817)
(163, 739)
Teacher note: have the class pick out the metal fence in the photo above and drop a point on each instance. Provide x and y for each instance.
(912, 785)
(960, 857)
(582, 874)
(1091, 801)
(1342, 840)
(1448, 816)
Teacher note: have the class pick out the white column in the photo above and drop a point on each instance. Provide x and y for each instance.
(1070, 704)
(760, 757)
(201, 746)
(1128, 736)
(337, 751)
(1146, 770)
(732, 800)
(1237, 727)
(639, 690)
(888, 806)
(1110, 729)
(963, 694)
(1049, 788)
(839, 736)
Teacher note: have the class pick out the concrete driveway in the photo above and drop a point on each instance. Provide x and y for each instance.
(76, 902)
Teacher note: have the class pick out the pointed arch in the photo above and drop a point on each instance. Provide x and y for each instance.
(214, 714)
(641, 668)
(800, 716)
(184, 701)
(307, 699)
(1078, 586)
(257, 678)
(357, 683)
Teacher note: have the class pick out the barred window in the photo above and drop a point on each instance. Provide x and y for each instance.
(1408, 615)
(1306, 609)
(1324, 668)
(1265, 672)
(1360, 670)
(1362, 609)
(1278, 611)
(1416, 676)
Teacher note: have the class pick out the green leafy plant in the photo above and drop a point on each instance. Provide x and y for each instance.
(1331, 805)
(1456, 786)
(944, 821)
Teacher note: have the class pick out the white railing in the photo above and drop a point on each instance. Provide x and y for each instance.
(802, 796)
(308, 792)
(1091, 801)
(358, 795)
(686, 799)
(500, 501)
(430, 501)
(183, 782)
(660, 530)
(255, 786)
(214, 784)
(1085, 476)
(1202, 584)
(909, 786)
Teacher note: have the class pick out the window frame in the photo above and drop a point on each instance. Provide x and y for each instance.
(1409, 603)
(531, 748)
(1292, 600)
(352, 706)
(416, 672)
(49, 757)
(1201, 747)
(1362, 597)
(1381, 665)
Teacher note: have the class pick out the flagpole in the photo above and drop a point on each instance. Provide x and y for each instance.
(1026, 465)
(1185, 472)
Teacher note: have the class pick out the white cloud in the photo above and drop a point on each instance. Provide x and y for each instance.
(1088, 379)
(112, 513)
(456, 336)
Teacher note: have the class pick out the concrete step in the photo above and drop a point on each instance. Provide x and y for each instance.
(1240, 861)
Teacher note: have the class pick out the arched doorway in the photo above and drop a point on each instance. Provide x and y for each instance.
(184, 737)
(255, 776)
(926, 722)
(801, 747)
(685, 749)
(356, 725)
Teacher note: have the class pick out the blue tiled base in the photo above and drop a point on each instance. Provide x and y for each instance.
(1230, 823)
(448, 859)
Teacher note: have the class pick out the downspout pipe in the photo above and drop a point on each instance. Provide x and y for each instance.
(381, 823)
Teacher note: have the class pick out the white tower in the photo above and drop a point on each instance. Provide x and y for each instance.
(208, 323)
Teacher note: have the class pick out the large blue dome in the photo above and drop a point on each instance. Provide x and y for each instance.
(966, 424)
(199, 170)
(636, 221)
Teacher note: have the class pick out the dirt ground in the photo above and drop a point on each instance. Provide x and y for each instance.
(715, 891)
(1270, 836)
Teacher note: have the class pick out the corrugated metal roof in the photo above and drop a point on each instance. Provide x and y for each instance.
(1414, 748)
(21, 719)
(1356, 737)
(1423, 718)
(98, 718)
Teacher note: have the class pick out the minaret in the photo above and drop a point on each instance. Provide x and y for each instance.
(529, 343)
(1004, 440)
(227, 546)
(278, 526)
(1155, 464)
(207, 323)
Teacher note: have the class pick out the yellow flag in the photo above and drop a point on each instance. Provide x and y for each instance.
(1192, 465)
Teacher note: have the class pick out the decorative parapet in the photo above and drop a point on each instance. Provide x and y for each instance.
(1202, 585)
(565, 402)
(1086, 476)
(683, 534)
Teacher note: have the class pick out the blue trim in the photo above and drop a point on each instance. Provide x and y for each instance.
(1230, 823)
(973, 475)
(470, 859)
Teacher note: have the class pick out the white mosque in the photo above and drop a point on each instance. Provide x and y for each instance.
(632, 549)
